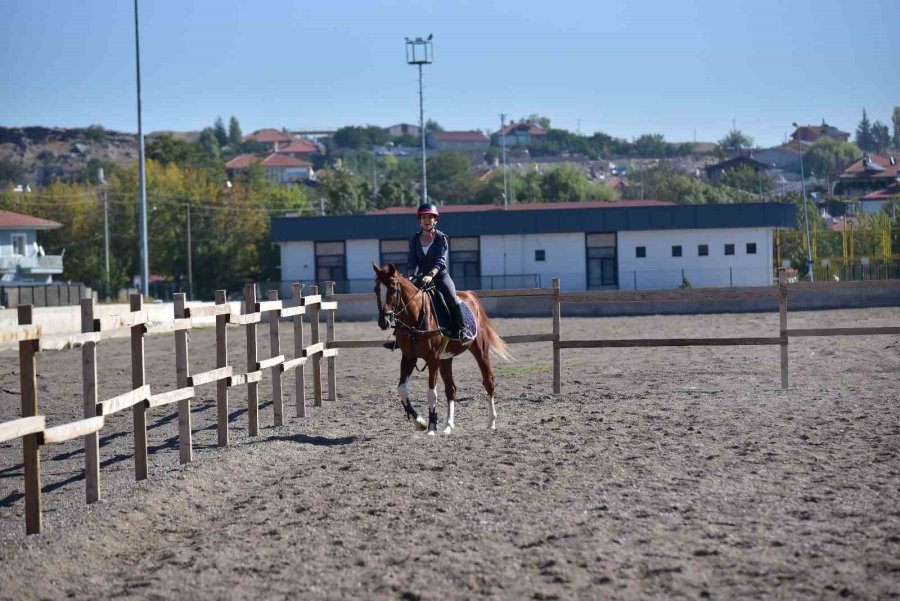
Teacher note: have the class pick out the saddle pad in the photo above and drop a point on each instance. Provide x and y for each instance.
(440, 311)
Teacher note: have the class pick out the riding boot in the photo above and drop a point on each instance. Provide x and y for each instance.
(457, 326)
(391, 345)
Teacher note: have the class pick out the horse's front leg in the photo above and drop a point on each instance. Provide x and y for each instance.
(450, 390)
(406, 368)
(432, 396)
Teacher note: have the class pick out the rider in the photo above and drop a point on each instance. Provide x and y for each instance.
(428, 255)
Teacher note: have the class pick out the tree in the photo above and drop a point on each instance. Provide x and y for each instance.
(864, 138)
(393, 193)
(650, 145)
(539, 120)
(11, 172)
(736, 140)
(221, 134)
(896, 118)
(165, 149)
(827, 155)
(208, 143)
(234, 134)
(450, 178)
(747, 179)
(345, 192)
(432, 125)
(881, 137)
(566, 182)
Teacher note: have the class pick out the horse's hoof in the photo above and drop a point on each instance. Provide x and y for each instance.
(421, 424)
(448, 430)
(431, 433)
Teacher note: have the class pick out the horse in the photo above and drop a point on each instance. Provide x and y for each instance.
(403, 307)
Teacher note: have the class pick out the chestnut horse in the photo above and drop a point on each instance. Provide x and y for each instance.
(403, 306)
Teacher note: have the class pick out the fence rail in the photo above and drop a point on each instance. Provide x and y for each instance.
(32, 428)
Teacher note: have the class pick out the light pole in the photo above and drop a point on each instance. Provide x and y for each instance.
(503, 151)
(809, 261)
(145, 270)
(419, 52)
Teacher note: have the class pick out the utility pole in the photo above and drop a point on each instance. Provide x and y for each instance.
(190, 260)
(503, 152)
(419, 52)
(102, 179)
(145, 269)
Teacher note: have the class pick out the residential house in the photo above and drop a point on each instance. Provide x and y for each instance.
(782, 158)
(279, 168)
(403, 129)
(588, 245)
(22, 259)
(807, 134)
(714, 172)
(298, 149)
(874, 202)
(522, 133)
(465, 141)
(274, 137)
(870, 180)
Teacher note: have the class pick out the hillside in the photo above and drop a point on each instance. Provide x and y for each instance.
(42, 154)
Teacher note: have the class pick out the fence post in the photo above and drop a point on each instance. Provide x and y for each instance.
(317, 357)
(782, 327)
(557, 314)
(31, 450)
(222, 361)
(252, 387)
(329, 338)
(182, 373)
(299, 376)
(275, 350)
(138, 379)
(89, 390)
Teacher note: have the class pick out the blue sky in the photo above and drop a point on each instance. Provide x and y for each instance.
(672, 67)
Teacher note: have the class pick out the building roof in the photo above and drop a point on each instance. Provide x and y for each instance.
(298, 147)
(811, 133)
(522, 126)
(10, 220)
(272, 161)
(541, 218)
(892, 192)
(459, 136)
(268, 136)
(871, 166)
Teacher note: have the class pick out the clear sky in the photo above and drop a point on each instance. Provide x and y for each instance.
(679, 68)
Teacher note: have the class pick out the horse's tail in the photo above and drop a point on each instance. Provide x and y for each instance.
(495, 343)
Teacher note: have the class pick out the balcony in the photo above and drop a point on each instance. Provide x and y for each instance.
(34, 265)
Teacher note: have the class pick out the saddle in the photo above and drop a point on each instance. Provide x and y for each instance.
(442, 314)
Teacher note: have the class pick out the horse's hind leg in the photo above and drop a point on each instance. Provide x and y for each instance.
(432, 396)
(406, 368)
(450, 390)
(483, 358)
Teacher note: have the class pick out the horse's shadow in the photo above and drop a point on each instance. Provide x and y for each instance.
(318, 441)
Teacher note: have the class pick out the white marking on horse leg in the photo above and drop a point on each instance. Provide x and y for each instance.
(492, 418)
(451, 412)
(403, 392)
(432, 402)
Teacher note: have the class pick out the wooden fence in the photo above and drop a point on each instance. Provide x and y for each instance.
(557, 298)
(32, 426)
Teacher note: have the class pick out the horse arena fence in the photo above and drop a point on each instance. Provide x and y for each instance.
(31, 427)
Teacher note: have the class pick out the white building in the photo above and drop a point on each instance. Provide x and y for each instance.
(588, 245)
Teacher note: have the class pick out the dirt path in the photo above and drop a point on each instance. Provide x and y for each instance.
(656, 473)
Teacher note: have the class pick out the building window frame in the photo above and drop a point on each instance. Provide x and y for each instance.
(751, 248)
(703, 250)
(729, 249)
(676, 250)
(640, 252)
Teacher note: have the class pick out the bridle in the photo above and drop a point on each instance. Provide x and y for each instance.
(388, 316)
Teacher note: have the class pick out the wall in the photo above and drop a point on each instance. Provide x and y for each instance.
(661, 270)
(298, 261)
(514, 255)
(360, 254)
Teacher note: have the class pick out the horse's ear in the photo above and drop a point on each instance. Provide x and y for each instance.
(375, 267)
(391, 269)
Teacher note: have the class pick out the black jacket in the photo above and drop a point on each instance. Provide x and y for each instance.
(437, 256)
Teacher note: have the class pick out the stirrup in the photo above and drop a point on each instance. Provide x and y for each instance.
(391, 345)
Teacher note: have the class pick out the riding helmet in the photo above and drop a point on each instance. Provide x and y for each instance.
(428, 208)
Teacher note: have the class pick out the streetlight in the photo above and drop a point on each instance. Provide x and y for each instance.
(505, 169)
(809, 261)
(145, 270)
(419, 52)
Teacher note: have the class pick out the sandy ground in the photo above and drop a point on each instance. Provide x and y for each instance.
(657, 473)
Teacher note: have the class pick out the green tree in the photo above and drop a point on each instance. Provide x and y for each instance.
(234, 134)
(895, 117)
(650, 145)
(345, 192)
(95, 133)
(539, 120)
(450, 178)
(566, 182)
(11, 172)
(165, 149)
(208, 144)
(736, 140)
(665, 183)
(881, 136)
(864, 138)
(827, 155)
(432, 125)
(221, 133)
(747, 179)
(394, 193)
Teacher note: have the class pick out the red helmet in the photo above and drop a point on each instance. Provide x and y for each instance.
(428, 208)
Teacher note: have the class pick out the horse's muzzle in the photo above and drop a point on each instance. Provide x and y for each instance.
(386, 320)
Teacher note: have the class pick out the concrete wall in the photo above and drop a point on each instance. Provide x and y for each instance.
(514, 255)
(659, 269)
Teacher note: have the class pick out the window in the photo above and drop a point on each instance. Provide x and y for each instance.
(703, 250)
(640, 252)
(751, 248)
(331, 264)
(394, 251)
(676, 250)
(18, 244)
(729, 249)
(465, 263)
(540, 255)
(601, 261)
